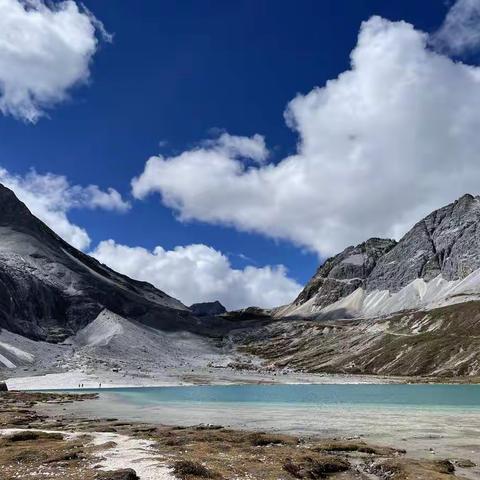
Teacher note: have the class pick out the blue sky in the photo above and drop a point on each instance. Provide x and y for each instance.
(177, 73)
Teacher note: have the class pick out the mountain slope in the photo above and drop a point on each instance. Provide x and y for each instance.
(341, 275)
(49, 290)
(436, 263)
(443, 342)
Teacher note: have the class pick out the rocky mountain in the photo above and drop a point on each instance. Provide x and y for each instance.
(207, 309)
(435, 264)
(446, 243)
(382, 307)
(344, 273)
(49, 290)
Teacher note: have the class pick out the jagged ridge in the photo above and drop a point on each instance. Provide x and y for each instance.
(444, 245)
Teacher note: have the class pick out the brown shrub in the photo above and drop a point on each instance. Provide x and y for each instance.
(27, 435)
(187, 468)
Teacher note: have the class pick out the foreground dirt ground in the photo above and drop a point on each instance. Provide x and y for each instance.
(38, 447)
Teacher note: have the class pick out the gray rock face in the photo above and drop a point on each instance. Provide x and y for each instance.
(341, 275)
(49, 290)
(207, 309)
(446, 242)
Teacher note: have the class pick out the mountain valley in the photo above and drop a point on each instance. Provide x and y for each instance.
(384, 308)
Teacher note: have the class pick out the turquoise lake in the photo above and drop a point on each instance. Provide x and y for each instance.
(453, 396)
(419, 418)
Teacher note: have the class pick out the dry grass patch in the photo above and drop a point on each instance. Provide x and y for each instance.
(315, 467)
(39, 455)
(186, 469)
(355, 446)
(404, 469)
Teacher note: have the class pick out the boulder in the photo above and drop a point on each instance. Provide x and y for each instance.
(209, 309)
(125, 474)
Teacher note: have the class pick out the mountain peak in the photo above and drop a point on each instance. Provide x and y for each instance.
(445, 243)
(49, 289)
(12, 210)
(466, 197)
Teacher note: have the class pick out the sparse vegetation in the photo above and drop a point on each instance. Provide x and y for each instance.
(196, 452)
(439, 345)
(186, 469)
(315, 467)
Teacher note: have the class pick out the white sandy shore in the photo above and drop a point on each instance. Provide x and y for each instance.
(182, 376)
(128, 452)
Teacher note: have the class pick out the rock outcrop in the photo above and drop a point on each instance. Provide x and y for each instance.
(341, 275)
(206, 309)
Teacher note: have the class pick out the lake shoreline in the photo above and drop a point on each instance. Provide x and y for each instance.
(156, 450)
(424, 432)
(30, 380)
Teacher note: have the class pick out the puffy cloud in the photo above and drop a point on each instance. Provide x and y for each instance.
(197, 273)
(93, 197)
(212, 154)
(385, 143)
(235, 146)
(50, 197)
(45, 49)
(460, 32)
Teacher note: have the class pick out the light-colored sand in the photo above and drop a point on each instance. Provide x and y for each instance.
(128, 453)
(131, 453)
(168, 377)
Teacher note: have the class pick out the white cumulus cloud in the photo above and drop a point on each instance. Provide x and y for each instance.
(380, 146)
(199, 273)
(50, 197)
(460, 32)
(45, 49)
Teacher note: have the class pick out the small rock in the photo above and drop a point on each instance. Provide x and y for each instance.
(445, 466)
(3, 387)
(463, 463)
(126, 474)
